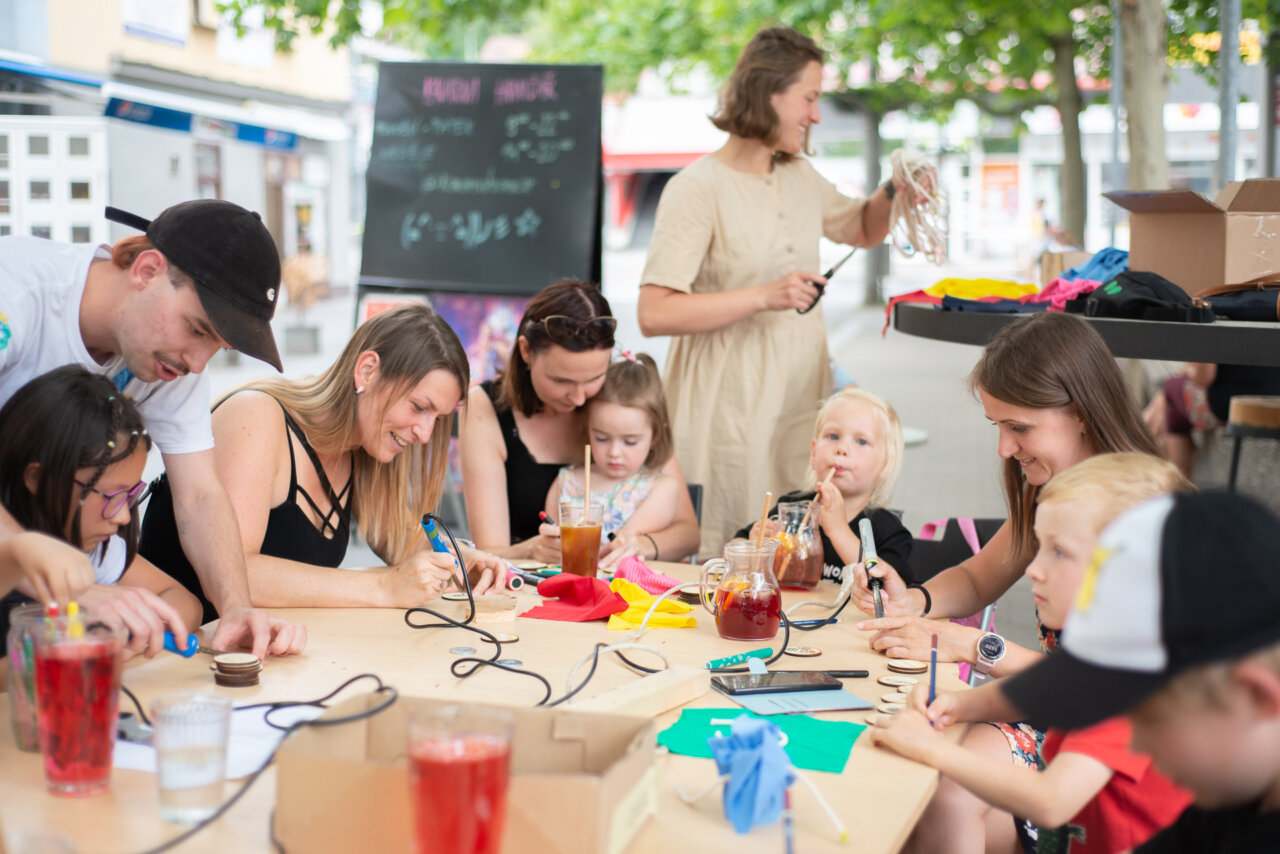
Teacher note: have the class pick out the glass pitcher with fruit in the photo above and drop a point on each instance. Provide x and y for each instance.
(798, 560)
(747, 602)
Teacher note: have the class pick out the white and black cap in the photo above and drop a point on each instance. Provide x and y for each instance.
(1176, 582)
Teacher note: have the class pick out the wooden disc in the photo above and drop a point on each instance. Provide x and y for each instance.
(1255, 411)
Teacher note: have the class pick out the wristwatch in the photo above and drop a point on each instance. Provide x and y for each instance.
(990, 651)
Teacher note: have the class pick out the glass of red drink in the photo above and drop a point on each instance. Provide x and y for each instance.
(580, 527)
(77, 666)
(459, 768)
(798, 560)
(746, 602)
(23, 621)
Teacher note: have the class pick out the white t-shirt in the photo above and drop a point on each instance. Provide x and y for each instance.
(41, 285)
(108, 563)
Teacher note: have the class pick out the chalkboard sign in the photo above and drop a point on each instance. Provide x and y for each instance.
(484, 178)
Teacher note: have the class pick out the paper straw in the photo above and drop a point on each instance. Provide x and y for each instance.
(586, 488)
(764, 517)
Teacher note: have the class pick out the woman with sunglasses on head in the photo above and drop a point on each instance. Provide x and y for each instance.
(522, 427)
(734, 256)
(365, 442)
(72, 451)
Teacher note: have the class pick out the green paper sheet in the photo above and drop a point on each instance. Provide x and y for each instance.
(812, 744)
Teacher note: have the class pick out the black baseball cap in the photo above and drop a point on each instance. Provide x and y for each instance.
(1177, 582)
(230, 255)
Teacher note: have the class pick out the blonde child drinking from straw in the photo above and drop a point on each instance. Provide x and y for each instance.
(1092, 793)
(855, 457)
(630, 440)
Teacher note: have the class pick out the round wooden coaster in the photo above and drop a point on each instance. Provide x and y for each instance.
(237, 660)
(803, 651)
(895, 697)
(528, 564)
(457, 596)
(890, 708)
(907, 665)
(900, 682)
(878, 719)
(906, 689)
(502, 637)
(462, 650)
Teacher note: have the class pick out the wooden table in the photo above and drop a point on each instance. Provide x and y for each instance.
(1227, 342)
(879, 796)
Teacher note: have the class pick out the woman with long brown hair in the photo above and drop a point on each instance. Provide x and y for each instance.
(366, 442)
(519, 429)
(734, 251)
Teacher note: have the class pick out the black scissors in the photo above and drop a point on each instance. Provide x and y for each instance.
(823, 288)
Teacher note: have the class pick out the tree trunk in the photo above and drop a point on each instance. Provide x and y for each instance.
(1146, 85)
(1071, 177)
(876, 263)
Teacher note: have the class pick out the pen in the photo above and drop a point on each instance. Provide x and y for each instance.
(933, 671)
(717, 663)
(542, 514)
(800, 624)
(847, 674)
(788, 825)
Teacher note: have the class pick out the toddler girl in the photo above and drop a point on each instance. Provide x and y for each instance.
(72, 452)
(858, 442)
(630, 438)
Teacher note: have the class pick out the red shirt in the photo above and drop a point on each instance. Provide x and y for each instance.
(1136, 802)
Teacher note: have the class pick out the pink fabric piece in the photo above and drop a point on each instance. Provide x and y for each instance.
(1059, 290)
(635, 570)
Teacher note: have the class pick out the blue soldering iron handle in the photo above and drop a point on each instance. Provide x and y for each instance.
(171, 644)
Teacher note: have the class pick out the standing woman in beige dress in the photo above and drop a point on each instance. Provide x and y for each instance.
(734, 253)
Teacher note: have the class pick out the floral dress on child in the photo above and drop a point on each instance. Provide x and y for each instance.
(620, 503)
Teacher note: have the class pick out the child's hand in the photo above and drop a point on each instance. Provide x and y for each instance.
(831, 511)
(53, 571)
(908, 733)
(142, 615)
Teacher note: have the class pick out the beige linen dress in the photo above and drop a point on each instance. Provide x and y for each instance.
(743, 398)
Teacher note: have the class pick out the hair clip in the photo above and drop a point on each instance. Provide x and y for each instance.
(626, 354)
(461, 403)
(111, 443)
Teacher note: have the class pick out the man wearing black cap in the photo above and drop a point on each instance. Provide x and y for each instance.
(1179, 624)
(149, 313)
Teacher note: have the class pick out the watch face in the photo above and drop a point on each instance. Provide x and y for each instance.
(991, 647)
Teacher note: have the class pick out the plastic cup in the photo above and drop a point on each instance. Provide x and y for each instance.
(580, 526)
(77, 666)
(190, 735)
(459, 768)
(22, 676)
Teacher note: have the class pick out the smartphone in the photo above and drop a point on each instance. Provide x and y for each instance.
(773, 683)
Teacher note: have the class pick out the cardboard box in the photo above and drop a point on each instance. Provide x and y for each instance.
(1053, 263)
(582, 783)
(1199, 244)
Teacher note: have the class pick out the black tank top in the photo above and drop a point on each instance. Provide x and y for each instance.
(289, 535)
(527, 480)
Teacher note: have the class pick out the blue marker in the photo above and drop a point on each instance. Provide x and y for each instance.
(171, 644)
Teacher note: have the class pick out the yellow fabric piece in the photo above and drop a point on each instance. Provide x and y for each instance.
(668, 615)
(978, 288)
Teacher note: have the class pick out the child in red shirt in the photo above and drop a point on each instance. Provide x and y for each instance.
(1092, 794)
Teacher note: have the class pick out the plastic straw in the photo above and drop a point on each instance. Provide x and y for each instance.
(586, 488)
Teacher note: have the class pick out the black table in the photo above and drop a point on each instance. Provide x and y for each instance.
(1226, 342)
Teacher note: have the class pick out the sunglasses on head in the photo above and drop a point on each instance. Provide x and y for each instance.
(561, 328)
(119, 498)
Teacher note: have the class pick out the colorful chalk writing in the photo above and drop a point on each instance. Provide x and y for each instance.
(528, 89)
(450, 90)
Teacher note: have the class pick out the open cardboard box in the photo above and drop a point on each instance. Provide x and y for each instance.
(1198, 244)
(1052, 264)
(582, 782)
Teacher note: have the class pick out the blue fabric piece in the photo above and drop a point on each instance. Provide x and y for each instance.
(1102, 267)
(759, 772)
(122, 379)
(1000, 306)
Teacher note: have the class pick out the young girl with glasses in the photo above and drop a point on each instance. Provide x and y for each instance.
(630, 437)
(72, 452)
